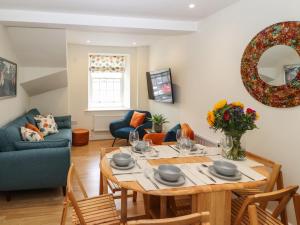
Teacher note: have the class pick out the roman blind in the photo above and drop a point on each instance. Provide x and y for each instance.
(107, 63)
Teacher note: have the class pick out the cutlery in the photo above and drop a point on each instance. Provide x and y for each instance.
(184, 174)
(126, 173)
(174, 148)
(149, 178)
(138, 165)
(246, 175)
(212, 179)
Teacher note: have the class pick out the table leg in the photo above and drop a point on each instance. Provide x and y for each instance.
(218, 204)
(163, 207)
(194, 203)
(147, 205)
(123, 205)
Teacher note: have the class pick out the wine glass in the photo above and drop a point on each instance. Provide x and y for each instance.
(226, 144)
(133, 138)
(178, 138)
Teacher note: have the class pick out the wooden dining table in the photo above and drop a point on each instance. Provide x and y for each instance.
(214, 198)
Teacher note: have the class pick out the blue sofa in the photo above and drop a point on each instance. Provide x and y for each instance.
(34, 165)
(121, 128)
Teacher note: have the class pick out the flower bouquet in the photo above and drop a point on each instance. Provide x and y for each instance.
(231, 119)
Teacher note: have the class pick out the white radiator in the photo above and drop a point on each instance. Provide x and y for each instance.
(101, 122)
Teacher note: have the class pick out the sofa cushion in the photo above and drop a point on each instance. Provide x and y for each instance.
(46, 124)
(24, 145)
(62, 134)
(31, 114)
(63, 122)
(123, 132)
(30, 135)
(34, 128)
(171, 134)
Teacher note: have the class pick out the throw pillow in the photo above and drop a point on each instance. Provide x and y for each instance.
(30, 135)
(46, 124)
(137, 119)
(34, 128)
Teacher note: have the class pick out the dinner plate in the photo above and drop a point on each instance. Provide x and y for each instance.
(179, 182)
(236, 177)
(130, 165)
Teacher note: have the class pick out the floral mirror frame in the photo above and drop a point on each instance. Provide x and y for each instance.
(284, 96)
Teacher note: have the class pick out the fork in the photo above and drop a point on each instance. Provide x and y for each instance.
(212, 179)
(149, 178)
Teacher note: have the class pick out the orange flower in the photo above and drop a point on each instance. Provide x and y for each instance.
(211, 118)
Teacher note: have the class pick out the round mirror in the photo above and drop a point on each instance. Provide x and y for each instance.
(279, 65)
(270, 66)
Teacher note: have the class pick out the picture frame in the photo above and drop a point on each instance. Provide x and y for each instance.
(8, 78)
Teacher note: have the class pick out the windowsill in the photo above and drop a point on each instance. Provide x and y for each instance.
(106, 109)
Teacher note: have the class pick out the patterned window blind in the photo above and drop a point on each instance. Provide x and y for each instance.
(107, 63)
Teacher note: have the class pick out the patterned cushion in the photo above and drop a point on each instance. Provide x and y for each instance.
(46, 124)
(30, 135)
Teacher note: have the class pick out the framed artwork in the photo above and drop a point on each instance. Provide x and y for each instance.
(8, 78)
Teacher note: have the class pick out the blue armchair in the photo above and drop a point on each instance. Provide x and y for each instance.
(121, 128)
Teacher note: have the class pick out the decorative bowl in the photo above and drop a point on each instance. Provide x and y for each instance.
(122, 159)
(169, 172)
(225, 168)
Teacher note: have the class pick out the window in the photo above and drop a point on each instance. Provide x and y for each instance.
(108, 81)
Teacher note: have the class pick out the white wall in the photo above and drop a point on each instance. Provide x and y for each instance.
(78, 82)
(206, 68)
(56, 101)
(10, 108)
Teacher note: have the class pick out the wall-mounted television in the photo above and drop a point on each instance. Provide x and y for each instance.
(160, 87)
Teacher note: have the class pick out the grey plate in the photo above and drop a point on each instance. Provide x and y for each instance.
(237, 176)
(131, 165)
(180, 182)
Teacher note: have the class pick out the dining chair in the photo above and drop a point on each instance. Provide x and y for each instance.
(105, 183)
(296, 199)
(195, 218)
(87, 211)
(275, 179)
(249, 211)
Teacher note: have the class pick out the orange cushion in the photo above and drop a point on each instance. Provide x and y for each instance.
(137, 119)
(34, 128)
(187, 130)
(157, 138)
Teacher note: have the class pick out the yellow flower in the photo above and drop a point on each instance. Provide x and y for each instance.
(256, 116)
(238, 104)
(210, 118)
(220, 104)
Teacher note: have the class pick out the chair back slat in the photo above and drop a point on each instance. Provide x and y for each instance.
(282, 196)
(195, 218)
(296, 199)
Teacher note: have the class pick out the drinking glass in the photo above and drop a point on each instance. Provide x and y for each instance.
(178, 138)
(226, 144)
(133, 138)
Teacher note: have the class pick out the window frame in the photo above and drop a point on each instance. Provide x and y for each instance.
(125, 77)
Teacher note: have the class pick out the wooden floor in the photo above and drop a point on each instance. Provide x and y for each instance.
(43, 207)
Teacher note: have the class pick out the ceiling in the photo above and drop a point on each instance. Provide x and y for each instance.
(163, 9)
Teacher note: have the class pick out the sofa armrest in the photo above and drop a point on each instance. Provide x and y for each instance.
(33, 169)
(63, 122)
(141, 129)
(115, 125)
(25, 145)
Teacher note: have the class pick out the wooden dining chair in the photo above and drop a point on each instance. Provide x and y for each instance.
(195, 218)
(88, 211)
(296, 199)
(105, 183)
(249, 210)
(275, 179)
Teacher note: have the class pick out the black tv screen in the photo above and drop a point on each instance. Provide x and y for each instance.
(160, 87)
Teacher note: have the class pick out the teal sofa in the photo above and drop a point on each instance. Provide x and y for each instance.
(34, 165)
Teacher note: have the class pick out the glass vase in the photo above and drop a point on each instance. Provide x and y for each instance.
(237, 152)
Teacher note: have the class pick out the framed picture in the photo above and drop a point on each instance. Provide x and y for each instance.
(8, 78)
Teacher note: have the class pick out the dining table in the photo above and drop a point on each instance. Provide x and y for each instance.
(214, 197)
